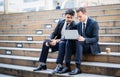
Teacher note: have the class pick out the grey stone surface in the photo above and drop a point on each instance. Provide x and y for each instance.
(100, 64)
(48, 71)
(3, 75)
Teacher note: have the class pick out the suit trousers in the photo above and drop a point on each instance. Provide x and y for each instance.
(60, 46)
(45, 51)
(81, 48)
(61, 53)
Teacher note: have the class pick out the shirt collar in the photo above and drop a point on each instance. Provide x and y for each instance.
(86, 20)
(67, 23)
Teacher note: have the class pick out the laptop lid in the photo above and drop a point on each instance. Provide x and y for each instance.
(71, 34)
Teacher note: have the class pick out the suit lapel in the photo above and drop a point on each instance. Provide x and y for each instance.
(87, 25)
(80, 28)
(61, 25)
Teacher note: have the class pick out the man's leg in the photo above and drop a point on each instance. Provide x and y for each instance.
(61, 52)
(86, 48)
(78, 58)
(68, 53)
(60, 57)
(44, 53)
(43, 57)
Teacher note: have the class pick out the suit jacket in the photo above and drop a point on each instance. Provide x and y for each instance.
(58, 29)
(92, 34)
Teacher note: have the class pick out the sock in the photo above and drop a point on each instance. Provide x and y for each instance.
(59, 65)
(78, 65)
(42, 63)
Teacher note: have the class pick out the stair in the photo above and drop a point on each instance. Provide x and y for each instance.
(24, 71)
(87, 67)
(3, 75)
(22, 35)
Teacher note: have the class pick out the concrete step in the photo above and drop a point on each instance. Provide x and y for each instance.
(25, 37)
(112, 57)
(109, 38)
(55, 13)
(109, 30)
(40, 37)
(47, 19)
(28, 26)
(4, 75)
(27, 22)
(21, 44)
(103, 12)
(59, 12)
(115, 47)
(46, 73)
(106, 17)
(41, 24)
(87, 67)
(111, 6)
(38, 44)
(108, 23)
(7, 30)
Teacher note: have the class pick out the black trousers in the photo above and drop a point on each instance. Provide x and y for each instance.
(60, 46)
(61, 53)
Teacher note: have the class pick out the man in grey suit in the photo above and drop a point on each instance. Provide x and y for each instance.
(87, 41)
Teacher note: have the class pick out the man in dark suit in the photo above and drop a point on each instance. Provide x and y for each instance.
(57, 41)
(58, 6)
(87, 41)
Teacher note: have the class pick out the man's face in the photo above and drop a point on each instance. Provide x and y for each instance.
(81, 16)
(69, 18)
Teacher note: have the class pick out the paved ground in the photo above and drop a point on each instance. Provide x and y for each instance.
(91, 75)
(3, 75)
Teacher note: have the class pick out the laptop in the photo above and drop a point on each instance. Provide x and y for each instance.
(71, 34)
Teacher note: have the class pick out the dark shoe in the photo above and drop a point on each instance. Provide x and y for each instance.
(57, 69)
(75, 71)
(40, 67)
(65, 70)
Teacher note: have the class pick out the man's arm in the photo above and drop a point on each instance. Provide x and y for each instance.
(55, 32)
(95, 34)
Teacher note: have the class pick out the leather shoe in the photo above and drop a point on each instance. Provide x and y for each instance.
(75, 71)
(65, 70)
(57, 69)
(40, 67)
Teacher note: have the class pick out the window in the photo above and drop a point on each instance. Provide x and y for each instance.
(30, 1)
(29, 9)
(69, 4)
(1, 3)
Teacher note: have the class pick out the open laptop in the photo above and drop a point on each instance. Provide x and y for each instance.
(71, 34)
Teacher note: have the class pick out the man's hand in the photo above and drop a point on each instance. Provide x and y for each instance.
(58, 40)
(53, 42)
(81, 38)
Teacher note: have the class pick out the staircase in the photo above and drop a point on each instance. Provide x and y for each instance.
(22, 35)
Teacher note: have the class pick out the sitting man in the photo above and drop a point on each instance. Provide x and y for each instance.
(87, 41)
(57, 42)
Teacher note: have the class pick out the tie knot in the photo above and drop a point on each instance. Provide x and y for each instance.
(67, 24)
(83, 23)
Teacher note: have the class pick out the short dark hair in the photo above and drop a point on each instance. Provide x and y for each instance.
(58, 3)
(82, 9)
(70, 11)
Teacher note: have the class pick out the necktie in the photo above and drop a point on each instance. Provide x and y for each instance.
(67, 26)
(83, 32)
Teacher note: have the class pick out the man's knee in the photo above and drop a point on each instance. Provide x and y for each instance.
(45, 43)
(62, 42)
